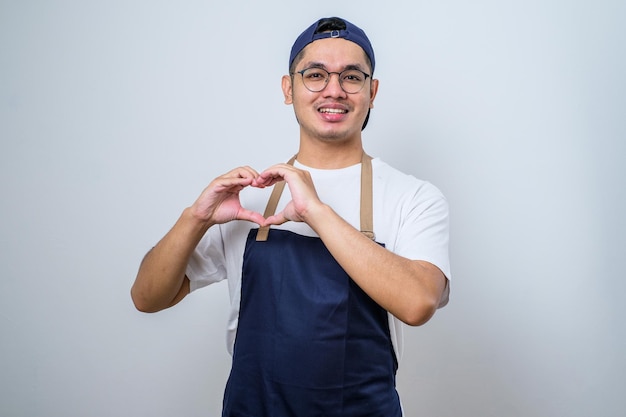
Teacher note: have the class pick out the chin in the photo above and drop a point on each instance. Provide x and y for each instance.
(334, 137)
(331, 133)
(335, 134)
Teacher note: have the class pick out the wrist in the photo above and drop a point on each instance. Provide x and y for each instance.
(196, 221)
(318, 215)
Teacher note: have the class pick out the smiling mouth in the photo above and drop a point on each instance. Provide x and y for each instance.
(333, 111)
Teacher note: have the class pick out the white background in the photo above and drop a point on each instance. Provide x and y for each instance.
(115, 114)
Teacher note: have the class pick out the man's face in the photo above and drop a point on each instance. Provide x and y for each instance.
(331, 114)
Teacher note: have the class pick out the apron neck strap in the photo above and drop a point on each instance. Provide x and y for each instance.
(367, 210)
(367, 223)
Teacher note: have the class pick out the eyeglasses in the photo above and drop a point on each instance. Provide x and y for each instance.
(316, 79)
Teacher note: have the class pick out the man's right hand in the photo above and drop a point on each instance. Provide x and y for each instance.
(219, 202)
(161, 281)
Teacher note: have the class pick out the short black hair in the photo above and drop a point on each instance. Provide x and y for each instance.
(330, 23)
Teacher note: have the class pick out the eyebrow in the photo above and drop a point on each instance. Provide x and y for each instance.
(347, 67)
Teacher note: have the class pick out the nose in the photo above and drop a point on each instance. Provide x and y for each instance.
(333, 86)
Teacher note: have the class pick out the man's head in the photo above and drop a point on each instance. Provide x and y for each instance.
(333, 32)
(331, 27)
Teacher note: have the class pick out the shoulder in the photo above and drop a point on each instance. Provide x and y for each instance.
(405, 186)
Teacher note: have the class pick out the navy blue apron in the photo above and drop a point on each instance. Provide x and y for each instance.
(309, 341)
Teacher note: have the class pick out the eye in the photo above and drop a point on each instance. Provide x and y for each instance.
(353, 76)
(315, 74)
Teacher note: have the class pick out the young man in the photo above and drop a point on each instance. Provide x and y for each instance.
(349, 249)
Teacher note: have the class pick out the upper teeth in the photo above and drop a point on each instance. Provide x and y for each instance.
(332, 111)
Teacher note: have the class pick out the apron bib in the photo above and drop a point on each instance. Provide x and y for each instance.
(309, 341)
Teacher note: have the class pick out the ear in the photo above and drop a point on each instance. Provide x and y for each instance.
(287, 89)
(373, 92)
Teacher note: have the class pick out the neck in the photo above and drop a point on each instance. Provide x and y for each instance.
(330, 155)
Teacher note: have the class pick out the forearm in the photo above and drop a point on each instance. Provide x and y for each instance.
(410, 290)
(160, 280)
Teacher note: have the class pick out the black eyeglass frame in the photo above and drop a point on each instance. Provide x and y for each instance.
(365, 77)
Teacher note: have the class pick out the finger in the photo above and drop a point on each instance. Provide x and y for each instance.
(276, 219)
(279, 170)
(252, 216)
(275, 174)
(248, 172)
(228, 183)
(266, 182)
(241, 172)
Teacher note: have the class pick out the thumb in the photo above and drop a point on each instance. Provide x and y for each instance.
(276, 219)
(249, 215)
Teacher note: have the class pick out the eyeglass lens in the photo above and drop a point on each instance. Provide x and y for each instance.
(316, 79)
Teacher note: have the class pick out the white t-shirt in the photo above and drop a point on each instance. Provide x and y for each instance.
(410, 219)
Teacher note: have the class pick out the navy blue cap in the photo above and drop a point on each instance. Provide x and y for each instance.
(351, 33)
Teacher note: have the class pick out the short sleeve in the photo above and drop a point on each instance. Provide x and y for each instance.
(425, 232)
(207, 262)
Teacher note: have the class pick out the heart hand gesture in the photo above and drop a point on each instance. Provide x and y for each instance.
(219, 202)
(304, 198)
